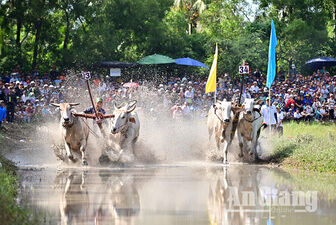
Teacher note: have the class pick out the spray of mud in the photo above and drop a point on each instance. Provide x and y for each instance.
(162, 139)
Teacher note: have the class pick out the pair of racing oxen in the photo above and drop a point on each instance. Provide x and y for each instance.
(224, 120)
(123, 129)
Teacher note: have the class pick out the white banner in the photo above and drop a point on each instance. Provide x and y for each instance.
(115, 72)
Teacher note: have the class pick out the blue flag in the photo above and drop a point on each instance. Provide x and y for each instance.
(269, 222)
(271, 58)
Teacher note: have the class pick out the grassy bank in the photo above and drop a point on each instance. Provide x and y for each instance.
(307, 147)
(10, 212)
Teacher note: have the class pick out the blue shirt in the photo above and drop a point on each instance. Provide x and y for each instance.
(91, 111)
(3, 113)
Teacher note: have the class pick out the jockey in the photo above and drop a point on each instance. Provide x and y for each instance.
(99, 109)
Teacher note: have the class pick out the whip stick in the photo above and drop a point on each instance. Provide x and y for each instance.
(94, 108)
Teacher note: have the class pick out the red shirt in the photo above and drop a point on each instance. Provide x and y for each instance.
(289, 102)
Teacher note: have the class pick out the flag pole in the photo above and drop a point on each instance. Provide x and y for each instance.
(211, 84)
(215, 95)
(269, 105)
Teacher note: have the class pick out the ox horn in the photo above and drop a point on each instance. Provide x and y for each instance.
(56, 105)
(115, 106)
(131, 106)
(73, 104)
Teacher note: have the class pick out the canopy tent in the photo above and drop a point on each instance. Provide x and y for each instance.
(318, 63)
(190, 62)
(156, 59)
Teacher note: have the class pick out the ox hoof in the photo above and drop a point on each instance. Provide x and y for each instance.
(71, 158)
(84, 162)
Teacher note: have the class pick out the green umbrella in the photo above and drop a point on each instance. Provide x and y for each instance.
(156, 59)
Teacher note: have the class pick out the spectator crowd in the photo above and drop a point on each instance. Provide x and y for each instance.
(28, 97)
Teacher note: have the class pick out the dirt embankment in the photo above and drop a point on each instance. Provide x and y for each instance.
(13, 136)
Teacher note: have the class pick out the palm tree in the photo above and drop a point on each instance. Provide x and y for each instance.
(193, 9)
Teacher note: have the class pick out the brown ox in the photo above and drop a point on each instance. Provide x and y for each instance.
(74, 132)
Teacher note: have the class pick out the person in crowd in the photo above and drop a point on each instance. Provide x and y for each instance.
(186, 110)
(29, 113)
(269, 113)
(177, 112)
(3, 112)
(280, 118)
(53, 73)
(11, 102)
(331, 105)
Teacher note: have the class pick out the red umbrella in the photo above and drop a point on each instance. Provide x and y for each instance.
(131, 84)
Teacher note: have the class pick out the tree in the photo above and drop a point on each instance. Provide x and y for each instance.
(192, 10)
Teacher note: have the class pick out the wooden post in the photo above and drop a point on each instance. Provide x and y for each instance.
(94, 108)
(241, 89)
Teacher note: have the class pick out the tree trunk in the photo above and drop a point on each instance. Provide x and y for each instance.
(18, 39)
(18, 32)
(38, 26)
(66, 38)
(67, 31)
(189, 28)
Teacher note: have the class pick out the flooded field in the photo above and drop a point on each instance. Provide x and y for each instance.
(183, 193)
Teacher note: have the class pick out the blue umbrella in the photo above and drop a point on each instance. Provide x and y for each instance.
(190, 62)
(318, 63)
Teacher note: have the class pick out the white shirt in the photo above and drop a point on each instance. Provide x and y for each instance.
(189, 94)
(265, 110)
(324, 92)
(297, 115)
(280, 117)
(331, 103)
(309, 110)
(254, 88)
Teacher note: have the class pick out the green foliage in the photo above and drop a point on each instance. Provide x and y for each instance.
(76, 34)
(307, 147)
(10, 212)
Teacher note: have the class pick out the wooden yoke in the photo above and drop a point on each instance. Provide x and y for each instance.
(91, 116)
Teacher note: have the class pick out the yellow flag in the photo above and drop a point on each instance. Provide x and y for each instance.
(211, 83)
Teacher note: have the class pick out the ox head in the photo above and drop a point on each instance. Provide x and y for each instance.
(121, 116)
(248, 106)
(225, 111)
(66, 112)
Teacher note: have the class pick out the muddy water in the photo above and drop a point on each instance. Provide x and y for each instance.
(190, 193)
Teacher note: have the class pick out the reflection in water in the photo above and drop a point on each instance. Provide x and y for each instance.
(74, 199)
(115, 200)
(231, 199)
(180, 195)
(121, 203)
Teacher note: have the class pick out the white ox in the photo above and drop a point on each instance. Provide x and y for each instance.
(249, 126)
(220, 124)
(74, 133)
(124, 127)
